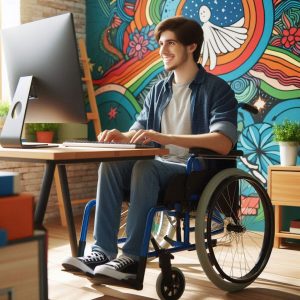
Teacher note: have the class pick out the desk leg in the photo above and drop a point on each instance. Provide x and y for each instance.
(62, 175)
(44, 194)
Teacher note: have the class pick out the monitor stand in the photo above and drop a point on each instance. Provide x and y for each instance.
(11, 134)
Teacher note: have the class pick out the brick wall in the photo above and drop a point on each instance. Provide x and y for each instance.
(32, 10)
(83, 177)
(82, 183)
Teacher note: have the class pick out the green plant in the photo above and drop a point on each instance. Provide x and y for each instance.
(4, 108)
(34, 127)
(288, 131)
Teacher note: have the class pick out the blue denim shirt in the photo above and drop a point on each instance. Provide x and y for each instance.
(213, 105)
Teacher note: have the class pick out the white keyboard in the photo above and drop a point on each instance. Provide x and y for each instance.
(95, 144)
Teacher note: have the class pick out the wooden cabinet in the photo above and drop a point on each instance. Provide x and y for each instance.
(23, 269)
(284, 190)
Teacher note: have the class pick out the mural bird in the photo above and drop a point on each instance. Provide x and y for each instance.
(219, 40)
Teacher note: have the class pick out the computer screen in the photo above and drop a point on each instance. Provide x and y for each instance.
(43, 66)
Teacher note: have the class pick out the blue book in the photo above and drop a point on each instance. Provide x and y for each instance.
(9, 183)
(3, 237)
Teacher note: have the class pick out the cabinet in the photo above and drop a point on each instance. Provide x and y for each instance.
(23, 269)
(284, 190)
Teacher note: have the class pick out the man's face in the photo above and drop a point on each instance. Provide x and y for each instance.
(173, 53)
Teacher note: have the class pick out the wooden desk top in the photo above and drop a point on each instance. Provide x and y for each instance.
(62, 153)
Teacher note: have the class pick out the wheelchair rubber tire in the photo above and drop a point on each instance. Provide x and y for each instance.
(174, 290)
(210, 196)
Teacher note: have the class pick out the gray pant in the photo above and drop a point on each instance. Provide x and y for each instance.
(144, 179)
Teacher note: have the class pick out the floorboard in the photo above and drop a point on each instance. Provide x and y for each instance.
(279, 280)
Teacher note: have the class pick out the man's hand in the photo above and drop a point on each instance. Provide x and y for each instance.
(113, 135)
(146, 136)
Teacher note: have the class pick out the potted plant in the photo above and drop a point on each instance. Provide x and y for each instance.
(43, 132)
(4, 109)
(287, 135)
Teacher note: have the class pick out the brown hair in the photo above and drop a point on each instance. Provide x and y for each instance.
(187, 32)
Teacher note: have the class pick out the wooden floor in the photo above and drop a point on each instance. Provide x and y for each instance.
(280, 279)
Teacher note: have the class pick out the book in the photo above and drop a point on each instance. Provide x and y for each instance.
(9, 183)
(16, 215)
(3, 237)
(295, 226)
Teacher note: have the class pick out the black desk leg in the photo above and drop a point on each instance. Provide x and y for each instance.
(68, 208)
(44, 194)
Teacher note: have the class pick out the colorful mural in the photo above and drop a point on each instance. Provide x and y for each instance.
(252, 44)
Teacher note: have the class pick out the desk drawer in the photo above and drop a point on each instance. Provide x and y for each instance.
(285, 185)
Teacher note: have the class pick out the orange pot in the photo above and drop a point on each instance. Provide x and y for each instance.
(44, 136)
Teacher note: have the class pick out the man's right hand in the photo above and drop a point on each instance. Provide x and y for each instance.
(114, 135)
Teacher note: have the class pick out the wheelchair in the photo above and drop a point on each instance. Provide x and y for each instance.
(228, 211)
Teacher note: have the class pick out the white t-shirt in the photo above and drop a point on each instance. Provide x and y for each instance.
(176, 119)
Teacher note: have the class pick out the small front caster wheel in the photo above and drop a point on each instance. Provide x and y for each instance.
(170, 288)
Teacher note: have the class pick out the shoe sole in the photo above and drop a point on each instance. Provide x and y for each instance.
(109, 272)
(74, 264)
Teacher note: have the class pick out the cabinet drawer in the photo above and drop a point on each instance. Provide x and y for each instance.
(285, 186)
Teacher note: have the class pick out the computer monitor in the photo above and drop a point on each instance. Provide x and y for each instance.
(44, 76)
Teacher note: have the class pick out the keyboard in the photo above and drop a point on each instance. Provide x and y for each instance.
(95, 144)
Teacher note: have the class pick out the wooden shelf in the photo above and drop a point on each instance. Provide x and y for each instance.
(287, 234)
(284, 190)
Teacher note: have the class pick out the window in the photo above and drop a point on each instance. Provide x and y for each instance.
(9, 16)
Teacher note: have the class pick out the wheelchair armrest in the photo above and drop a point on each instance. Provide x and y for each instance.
(206, 153)
(248, 107)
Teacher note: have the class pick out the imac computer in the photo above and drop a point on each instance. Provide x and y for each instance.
(44, 76)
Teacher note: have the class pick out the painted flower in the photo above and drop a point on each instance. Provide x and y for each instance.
(286, 34)
(138, 46)
(290, 37)
(148, 34)
(141, 42)
(259, 149)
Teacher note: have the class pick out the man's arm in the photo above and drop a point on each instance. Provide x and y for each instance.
(214, 141)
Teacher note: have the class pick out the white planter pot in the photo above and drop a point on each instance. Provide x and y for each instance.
(288, 153)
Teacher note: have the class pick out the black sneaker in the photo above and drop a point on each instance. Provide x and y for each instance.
(85, 264)
(120, 268)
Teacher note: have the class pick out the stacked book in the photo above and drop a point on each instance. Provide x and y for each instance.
(16, 209)
(9, 183)
(295, 226)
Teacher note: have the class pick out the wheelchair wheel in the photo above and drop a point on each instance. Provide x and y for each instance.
(170, 288)
(163, 225)
(234, 229)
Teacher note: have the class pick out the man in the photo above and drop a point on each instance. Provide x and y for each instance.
(190, 108)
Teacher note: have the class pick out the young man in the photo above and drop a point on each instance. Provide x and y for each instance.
(190, 108)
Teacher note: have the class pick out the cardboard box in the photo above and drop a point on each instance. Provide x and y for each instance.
(16, 216)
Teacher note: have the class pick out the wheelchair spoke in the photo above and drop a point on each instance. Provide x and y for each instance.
(236, 255)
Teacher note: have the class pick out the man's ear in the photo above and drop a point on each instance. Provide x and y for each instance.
(192, 47)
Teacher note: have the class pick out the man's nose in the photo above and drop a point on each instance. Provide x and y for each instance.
(163, 49)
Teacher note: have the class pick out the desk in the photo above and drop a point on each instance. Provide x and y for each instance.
(284, 190)
(59, 157)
